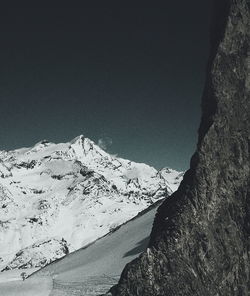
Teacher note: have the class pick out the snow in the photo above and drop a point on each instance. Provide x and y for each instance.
(33, 287)
(172, 177)
(93, 270)
(11, 284)
(71, 192)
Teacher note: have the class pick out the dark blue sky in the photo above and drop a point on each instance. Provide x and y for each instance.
(132, 74)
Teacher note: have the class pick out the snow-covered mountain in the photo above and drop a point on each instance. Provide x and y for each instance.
(57, 198)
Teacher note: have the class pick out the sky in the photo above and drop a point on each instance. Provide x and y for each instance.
(128, 77)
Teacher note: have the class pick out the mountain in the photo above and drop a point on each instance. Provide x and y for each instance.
(57, 198)
(200, 241)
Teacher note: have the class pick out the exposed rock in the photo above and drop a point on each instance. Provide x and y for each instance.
(39, 254)
(200, 242)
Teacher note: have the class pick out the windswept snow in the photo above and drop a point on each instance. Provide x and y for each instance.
(93, 270)
(90, 271)
(11, 284)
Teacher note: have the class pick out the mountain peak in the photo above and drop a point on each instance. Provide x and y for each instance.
(72, 190)
(42, 142)
(77, 139)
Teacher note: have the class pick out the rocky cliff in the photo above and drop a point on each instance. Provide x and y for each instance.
(200, 241)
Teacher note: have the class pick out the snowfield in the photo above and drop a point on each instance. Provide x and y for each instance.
(57, 198)
(90, 271)
(95, 269)
(11, 284)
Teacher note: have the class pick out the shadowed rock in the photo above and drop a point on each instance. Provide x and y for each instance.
(200, 241)
(141, 246)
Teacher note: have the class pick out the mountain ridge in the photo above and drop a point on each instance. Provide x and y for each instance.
(67, 195)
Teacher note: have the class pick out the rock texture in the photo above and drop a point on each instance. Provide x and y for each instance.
(200, 241)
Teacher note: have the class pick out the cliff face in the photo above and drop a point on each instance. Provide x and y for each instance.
(200, 241)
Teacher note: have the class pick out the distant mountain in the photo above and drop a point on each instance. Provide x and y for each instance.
(57, 198)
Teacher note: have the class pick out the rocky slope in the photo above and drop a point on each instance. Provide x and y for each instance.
(57, 198)
(200, 242)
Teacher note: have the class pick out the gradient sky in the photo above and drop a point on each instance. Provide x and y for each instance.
(130, 75)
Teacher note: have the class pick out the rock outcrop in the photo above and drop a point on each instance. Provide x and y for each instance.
(200, 241)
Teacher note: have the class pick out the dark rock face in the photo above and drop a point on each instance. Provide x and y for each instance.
(200, 241)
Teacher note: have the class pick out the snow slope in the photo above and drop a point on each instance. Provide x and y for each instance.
(57, 198)
(93, 270)
(11, 284)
